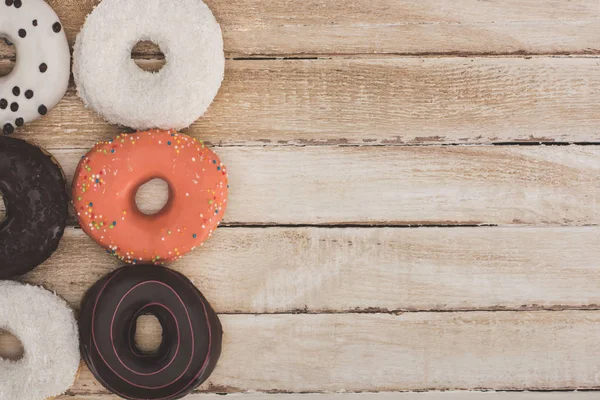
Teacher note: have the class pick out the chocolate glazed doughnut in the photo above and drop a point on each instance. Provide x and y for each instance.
(191, 342)
(34, 193)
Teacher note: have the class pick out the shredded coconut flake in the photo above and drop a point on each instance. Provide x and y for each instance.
(191, 40)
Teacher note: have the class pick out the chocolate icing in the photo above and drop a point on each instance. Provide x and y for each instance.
(191, 342)
(34, 192)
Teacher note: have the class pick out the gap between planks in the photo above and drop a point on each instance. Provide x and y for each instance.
(449, 395)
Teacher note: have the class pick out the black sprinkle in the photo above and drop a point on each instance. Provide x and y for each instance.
(9, 2)
(22, 33)
(18, 3)
(43, 110)
(19, 121)
(7, 42)
(8, 129)
(56, 27)
(43, 67)
(29, 94)
(3, 104)
(34, 22)
(16, 91)
(14, 107)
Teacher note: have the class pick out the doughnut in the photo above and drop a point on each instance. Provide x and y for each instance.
(37, 206)
(41, 74)
(191, 333)
(47, 329)
(109, 81)
(106, 182)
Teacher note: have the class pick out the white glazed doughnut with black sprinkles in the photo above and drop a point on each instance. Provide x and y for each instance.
(40, 76)
(46, 327)
(111, 83)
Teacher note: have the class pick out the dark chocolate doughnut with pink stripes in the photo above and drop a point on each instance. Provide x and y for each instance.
(191, 337)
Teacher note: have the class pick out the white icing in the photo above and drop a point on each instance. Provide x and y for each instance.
(46, 327)
(41, 44)
(110, 82)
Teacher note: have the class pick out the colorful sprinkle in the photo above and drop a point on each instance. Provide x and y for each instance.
(98, 168)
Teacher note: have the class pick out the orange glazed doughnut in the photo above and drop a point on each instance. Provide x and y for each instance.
(108, 177)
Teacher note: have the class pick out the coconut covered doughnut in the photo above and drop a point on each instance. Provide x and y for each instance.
(191, 333)
(110, 82)
(46, 327)
(108, 177)
(41, 74)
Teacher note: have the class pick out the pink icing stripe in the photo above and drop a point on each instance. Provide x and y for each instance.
(207, 358)
(146, 306)
(111, 368)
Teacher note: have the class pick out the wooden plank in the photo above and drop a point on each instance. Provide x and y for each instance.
(314, 270)
(414, 351)
(450, 395)
(314, 27)
(429, 185)
(376, 102)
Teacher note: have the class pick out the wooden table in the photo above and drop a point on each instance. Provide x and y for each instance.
(403, 214)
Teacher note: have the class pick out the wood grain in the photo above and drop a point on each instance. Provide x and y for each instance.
(429, 185)
(414, 351)
(450, 395)
(315, 270)
(338, 27)
(375, 102)
(326, 142)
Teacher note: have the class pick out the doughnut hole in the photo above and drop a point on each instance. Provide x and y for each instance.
(148, 333)
(152, 196)
(11, 347)
(148, 56)
(8, 52)
(2, 209)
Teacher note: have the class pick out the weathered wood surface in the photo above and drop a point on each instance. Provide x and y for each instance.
(413, 351)
(359, 92)
(276, 270)
(375, 102)
(428, 185)
(339, 27)
(449, 395)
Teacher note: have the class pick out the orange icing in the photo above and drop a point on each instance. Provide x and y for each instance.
(108, 177)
